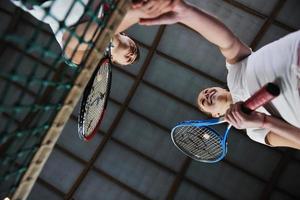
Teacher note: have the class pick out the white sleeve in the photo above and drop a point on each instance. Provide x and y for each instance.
(258, 135)
(236, 80)
(58, 12)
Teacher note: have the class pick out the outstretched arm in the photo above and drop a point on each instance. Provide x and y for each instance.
(86, 30)
(93, 29)
(205, 24)
(73, 44)
(132, 17)
(280, 132)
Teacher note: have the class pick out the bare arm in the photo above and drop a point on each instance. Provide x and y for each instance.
(280, 133)
(86, 31)
(277, 141)
(205, 24)
(132, 17)
(77, 57)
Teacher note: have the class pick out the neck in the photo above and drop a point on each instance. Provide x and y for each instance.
(229, 101)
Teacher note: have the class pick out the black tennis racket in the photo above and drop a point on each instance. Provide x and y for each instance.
(200, 140)
(94, 100)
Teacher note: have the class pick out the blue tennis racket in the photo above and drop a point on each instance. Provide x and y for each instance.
(200, 140)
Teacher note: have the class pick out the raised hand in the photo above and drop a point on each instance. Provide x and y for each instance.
(237, 118)
(161, 11)
(155, 8)
(138, 3)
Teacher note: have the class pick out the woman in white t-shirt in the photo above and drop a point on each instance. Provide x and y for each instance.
(278, 124)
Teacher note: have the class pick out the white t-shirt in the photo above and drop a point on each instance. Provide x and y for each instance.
(279, 62)
(58, 13)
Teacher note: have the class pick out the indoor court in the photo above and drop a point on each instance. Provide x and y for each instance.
(132, 155)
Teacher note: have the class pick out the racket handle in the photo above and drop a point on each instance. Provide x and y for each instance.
(261, 97)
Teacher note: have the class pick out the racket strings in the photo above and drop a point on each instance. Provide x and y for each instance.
(200, 142)
(96, 99)
(203, 137)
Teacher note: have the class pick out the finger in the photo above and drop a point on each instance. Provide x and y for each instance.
(237, 112)
(137, 3)
(158, 9)
(231, 119)
(162, 19)
(152, 22)
(230, 115)
(165, 6)
(239, 115)
(147, 7)
(155, 13)
(229, 110)
(227, 114)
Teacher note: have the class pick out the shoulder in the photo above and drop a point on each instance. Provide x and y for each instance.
(236, 71)
(236, 52)
(236, 80)
(235, 65)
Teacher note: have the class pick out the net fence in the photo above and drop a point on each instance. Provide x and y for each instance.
(43, 71)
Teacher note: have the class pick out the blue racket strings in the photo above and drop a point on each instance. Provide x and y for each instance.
(200, 143)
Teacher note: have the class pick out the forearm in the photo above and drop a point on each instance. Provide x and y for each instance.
(75, 56)
(282, 129)
(93, 29)
(87, 31)
(214, 31)
(207, 25)
(131, 18)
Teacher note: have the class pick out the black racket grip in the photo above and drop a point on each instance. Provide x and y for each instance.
(261, 97)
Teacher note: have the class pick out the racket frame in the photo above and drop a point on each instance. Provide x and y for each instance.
(86, 93)
(206, 124)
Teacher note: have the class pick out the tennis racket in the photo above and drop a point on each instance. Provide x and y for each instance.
(94, 100)
(202, 142)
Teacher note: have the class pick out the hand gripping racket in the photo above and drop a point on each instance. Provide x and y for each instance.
(200, 141)
(94, 101)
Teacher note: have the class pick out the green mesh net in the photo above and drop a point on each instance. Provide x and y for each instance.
(35, 74)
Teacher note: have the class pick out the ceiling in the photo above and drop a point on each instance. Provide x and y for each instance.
(133, 156)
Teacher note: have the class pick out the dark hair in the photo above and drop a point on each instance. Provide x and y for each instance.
(138, 55)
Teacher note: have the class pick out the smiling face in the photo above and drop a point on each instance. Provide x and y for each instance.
(214, 100)
(124, 50)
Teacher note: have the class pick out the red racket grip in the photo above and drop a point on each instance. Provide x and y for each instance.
(261, 97)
